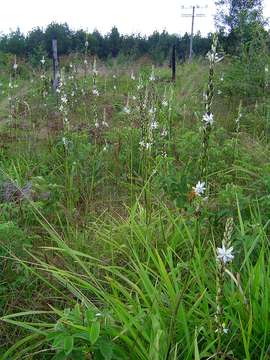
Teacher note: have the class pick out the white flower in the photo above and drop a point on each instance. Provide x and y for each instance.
(85, 61)
(152, 76)
(165, 103)
(152, 110)
(114, 76)
(208, 119)
(214, 58)
(95, 92)
(114, 87)
(65, 141)
(96, 124)
(148, 146)
(15, 66)
(132, 76)
(164, 132)
(86, 44)
(199, 189)
(64, 99)
(61, 108)
(164, 154)
(266, 69)
(225, 255)
(134, 98)
(154, 125)
(145, 145)
(126, 110)
(43, 60)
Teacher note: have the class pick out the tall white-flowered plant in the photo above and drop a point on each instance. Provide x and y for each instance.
(43, 60)
(63, 104)
(126, 108)
(224, 255)
(132, 76)
(152, 76)
(199, 188)
(208, 117)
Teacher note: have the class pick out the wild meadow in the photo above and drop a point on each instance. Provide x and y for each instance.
(134, 218)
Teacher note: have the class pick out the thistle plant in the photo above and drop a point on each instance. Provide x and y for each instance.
(224, 256)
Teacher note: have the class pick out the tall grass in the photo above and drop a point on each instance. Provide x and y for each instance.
(116, 254)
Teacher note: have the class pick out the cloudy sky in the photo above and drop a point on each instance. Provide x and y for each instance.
(129, 16)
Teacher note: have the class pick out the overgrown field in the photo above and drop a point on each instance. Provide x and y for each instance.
(134, 218)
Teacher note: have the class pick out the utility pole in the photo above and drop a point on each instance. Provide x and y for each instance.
(192, 15)
(191, 35)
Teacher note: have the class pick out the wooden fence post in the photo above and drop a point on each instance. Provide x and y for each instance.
(56, 72)
(173, 63)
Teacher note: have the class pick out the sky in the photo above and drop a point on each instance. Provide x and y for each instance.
(130, 16)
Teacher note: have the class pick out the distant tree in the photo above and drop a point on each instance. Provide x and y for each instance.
(232, 14)
(98, 45)
(114, 41)
(240, 19)
(78, 39)
(158, 45)
(63, 35)
(35, 39)
(14, 43)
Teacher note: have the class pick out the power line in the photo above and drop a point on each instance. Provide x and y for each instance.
(193, 15)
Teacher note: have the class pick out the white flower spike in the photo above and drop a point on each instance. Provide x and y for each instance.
(208, 119)
(199, 189)
(225, 255)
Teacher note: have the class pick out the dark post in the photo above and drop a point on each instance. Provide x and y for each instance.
(56, 73)
(173, 63)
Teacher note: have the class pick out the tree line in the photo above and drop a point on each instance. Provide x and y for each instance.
(158, 45)
(240, 25)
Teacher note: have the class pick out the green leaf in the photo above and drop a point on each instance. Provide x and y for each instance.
(58, 341)
(196, 348)
(90, 315)
(106, 349)
(60, 356)
(94, 332)
(68, 344)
